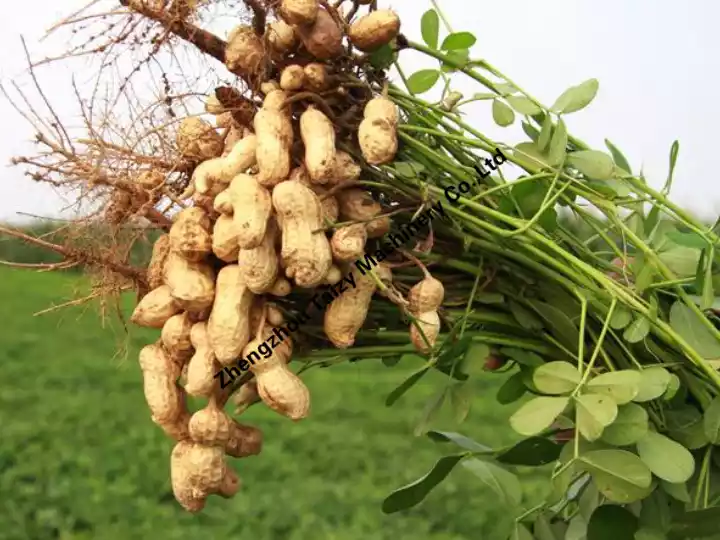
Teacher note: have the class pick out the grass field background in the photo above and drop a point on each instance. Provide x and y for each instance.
(80, 458)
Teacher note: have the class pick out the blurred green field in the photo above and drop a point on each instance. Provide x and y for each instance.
(80, 458)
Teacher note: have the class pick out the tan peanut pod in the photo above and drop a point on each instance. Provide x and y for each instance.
(192, 284)
(229, 326)
(334, 276)
(178, 429)
(378, 141)
(374, 30)
(155, 308)
(245, 52)
(348, 243)
(275, 101)
(316, 77)
(346, 170)
(203, 365)
(429, 321)
(225, 239)
(292, 78)
(246, 396)
(383, 108)
(273, 151)
(234, 135)
(214, 175)
(162, 394)
(275, 317)
(318, 135)
(225, 121)
(331, 209)
(281, 37)
(306, 255)
(280, 288)
(190, 234)
(358, 205)
(244, 440)
(427, 295)
(299, 12)
(252, 206)
(345, 316)
(278, 387)
(378, 227)
(323, 39)
(160, 251)
(259, 266)
(269, 86)
(197, 139)
(223, 203)
(150, 179)
(210, 426)
(197, 471)
(213, 105)
(175, 335)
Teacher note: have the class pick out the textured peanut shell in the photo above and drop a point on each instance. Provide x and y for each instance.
(374, 30)
(163, 396)
(281, 37)
(299, 12)
(246, 396)
(348, 243)
(317, 78)
(429, 321)
(280, 288)
(197, 139)
(213, 175)
(382, 108)
(259, 266)
(252, 206)
(306, 256)
(426, 295)
(334, 276)
(210, 426)
(275, 101)
(357, 205)
(197, 471)
(331, 209)
(292, 78)
(228, 326)
(190, 234)
(273, 151)
(378, 227)
(323, 39)
(155, 308)
(223, 203)
(245, 51)
(278, 387)
(202, 366)
(213, 105)
(378, 140)
(150, 179)
(346, 315)
(175, 334)
(269, 86)
(234, 135)
(225, 239)
(318, 136)
(178, 428)
(244, 440)
(191, 284)
(160, 250)
(274, 315)
(346, 170)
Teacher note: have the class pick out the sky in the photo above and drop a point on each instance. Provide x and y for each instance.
(657, 62)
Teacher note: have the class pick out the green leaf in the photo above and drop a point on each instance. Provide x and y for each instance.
(537, 414)
(413, 493)
(383, 57)
(619, 475)
(527, 319)
(546, 134)
(455, 60)
(530, 131)
(529, 155)
(525, 358)
(621, 318)
(532, 452)
(712, 422)
(698, 524)
(592, 163)
(673, 387)
(505, 484)
(630, 426)
(687, 324)
(647, 533)
(474, 359)
(611, 522)
(618, 157)
(638, 330)
(542, 530)
(460, 399)
(653, 383)
(458, 40)
(559, 324)
(677, 491)
(461, 440)
(577, 97)
(593, 414)
(666, 458)
(520, 532)
(512, 389)
(558, 145)
(681, 261)
(674, 151)
(482, 96)
(556, 378)
(622, 386)
(502, 114)
(523, 105)
(687, 239)
(391, 361)
(430, 412)
(430, 28)
(686, 425)
(423, 80)
(577, 529)
(404, 387)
